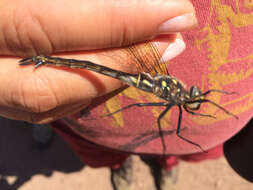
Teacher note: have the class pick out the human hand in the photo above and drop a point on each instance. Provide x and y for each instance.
(46, 27)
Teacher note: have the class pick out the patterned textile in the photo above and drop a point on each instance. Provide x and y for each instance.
(219, 55)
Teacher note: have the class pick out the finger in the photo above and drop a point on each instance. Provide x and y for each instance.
(42, 92)
(42, 117)
(45, 27)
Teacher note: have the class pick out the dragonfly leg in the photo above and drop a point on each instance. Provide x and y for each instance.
(179, 130)
(200, 114)
(219, 91)
(213, 103)
(138, 105)
(160, 128)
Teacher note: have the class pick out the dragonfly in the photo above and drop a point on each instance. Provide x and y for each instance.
(156, 80)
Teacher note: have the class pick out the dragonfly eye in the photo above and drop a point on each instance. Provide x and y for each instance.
(195, 95)
(195, 92)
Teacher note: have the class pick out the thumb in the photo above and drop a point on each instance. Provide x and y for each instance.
(45, 26)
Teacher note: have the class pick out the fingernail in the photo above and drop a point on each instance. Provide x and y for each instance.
(173, 50)
(178, 24)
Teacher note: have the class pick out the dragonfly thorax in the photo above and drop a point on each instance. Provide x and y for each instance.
(170, 89)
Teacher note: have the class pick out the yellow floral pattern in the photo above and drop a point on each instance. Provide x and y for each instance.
(217, 39)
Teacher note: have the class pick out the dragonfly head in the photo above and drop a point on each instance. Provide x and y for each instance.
(194, 95)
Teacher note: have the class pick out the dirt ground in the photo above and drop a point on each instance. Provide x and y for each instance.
(23, 166)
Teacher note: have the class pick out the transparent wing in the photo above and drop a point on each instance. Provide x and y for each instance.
(147, 58)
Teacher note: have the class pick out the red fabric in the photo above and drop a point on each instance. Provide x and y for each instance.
(99, 156)
(90, 153)
(218, 56)
(172, 161)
